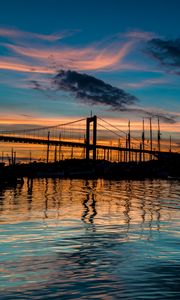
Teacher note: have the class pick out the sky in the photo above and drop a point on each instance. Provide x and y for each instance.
(63, 59)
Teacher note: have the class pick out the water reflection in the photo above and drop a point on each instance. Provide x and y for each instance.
(90, 239)
(125, 202)
(89, 203)
(144, 203)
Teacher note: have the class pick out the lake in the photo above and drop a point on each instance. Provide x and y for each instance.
(90, 239)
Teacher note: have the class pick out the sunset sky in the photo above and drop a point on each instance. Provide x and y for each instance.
(132, 45)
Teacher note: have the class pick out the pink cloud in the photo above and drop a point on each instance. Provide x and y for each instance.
(20, 67)
(104, 55)
(140, 35)
(88, 58)
(15, 34)
(147, 82)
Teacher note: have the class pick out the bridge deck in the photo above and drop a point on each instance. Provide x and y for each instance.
(40, 141)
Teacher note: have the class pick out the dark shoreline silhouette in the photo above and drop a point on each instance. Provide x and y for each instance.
(79, 168)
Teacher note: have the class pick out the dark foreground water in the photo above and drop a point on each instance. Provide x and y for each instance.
(79, 239)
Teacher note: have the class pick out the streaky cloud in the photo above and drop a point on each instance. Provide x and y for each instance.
(85, 58)
(23, 67)
(140, 35)
(166, 118)
(147, 82)
(13, 33)
(150, 113)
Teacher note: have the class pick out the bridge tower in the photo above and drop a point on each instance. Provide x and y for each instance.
(93, 145)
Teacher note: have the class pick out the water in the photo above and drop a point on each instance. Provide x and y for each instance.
(85, 239)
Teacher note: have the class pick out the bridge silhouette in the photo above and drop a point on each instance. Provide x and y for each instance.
(91, 135)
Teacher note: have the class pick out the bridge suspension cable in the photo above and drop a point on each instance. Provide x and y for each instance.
(115, 127)
(41, 128)
(110, 130)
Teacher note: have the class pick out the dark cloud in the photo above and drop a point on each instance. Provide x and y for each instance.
(45, 89)
(92, 90)
(164, 117)
(36, 85)
(25, 115)
(167, 52)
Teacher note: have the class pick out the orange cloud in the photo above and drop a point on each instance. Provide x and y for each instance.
(13, 66)
(120, 123)
(34, 119)
(105, 59)
(107, 54)
(89, 58)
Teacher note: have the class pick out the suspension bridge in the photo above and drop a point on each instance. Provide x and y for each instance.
(89, 138)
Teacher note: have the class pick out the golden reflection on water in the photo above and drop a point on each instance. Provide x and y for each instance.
(89, 239)
(95, 202)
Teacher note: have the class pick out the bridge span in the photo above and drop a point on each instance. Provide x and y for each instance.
(14, 139)
(90, 141)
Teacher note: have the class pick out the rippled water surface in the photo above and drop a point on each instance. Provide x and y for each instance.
(90, 239)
